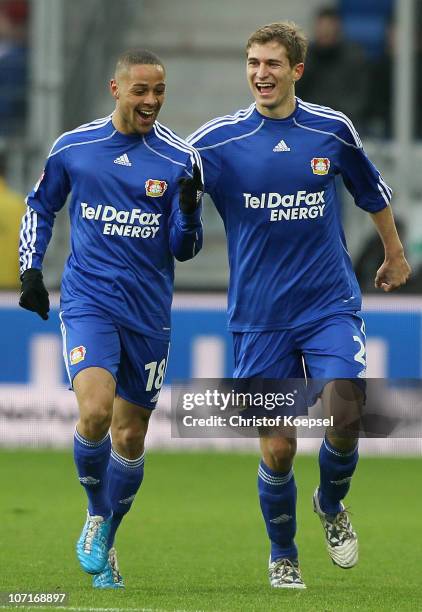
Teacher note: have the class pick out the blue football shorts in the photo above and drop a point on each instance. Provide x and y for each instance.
(330, 348)
(136, 362)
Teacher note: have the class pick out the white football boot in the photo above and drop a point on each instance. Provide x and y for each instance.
(342, 541)
(285, 574)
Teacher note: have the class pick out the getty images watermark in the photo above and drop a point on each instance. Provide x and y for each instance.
(214, 399)
(243, 407)
(219, 408)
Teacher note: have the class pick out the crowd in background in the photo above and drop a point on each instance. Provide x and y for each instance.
(13, 67)
(14, 98)
(349, 67)
(356, 76)
(12, 208)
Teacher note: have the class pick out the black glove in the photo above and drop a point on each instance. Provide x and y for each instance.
(34, 295)
(190, 191)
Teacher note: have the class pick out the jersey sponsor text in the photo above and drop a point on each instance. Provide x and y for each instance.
(134, 223)
(289, 207)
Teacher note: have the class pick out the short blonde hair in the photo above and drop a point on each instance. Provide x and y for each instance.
(286, 33)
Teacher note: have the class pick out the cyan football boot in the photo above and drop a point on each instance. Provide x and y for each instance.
(91, 548)
(110, 577)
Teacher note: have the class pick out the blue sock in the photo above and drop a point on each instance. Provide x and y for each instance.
(91, 459)
(124, 477)
(336, 470)
(277, 496)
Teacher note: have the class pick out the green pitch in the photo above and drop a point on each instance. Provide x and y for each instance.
(194, 539)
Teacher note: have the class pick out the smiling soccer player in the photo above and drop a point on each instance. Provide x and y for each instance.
(135, 206)
(293, 296)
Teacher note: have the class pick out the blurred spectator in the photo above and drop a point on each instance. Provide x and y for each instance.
(13, 67)
(381, 92)
(12, 209)
(365, 21)
(336, 72)
(380, 98)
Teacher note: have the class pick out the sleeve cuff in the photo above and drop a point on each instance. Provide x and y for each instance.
(192, 220)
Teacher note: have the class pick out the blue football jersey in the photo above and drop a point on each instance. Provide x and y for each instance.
(273, 183)
(126, 225)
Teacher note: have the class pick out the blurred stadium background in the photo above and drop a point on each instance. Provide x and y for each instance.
(56, 57)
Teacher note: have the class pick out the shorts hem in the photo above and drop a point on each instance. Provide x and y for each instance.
(91, 366)
(146, 405)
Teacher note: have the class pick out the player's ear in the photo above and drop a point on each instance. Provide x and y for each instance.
(114, 88)
(298, 71)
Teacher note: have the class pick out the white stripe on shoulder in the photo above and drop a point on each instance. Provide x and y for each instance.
(87, 142)
(236, 115)
(330, 114)
(177, 140)
(306, 127)
(335, 114)
(223, 142)
(86, 127)
(164, 133)
(221, 122)
(148, 146)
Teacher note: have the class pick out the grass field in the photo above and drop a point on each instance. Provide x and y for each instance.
(194, 539)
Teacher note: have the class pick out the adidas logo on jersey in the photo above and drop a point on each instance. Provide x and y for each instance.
(123, 160)
(281, 146)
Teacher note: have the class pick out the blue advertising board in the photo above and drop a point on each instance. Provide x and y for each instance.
(202, 347)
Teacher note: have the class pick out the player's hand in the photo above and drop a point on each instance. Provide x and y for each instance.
(190, 191)
(393, 273)
(34, 295)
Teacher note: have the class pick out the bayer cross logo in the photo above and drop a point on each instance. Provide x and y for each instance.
(320, 165)
(155, 188)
